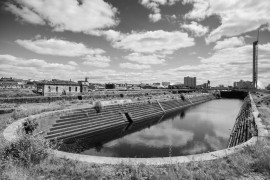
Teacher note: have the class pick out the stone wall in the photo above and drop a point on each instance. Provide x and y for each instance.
(245, 126)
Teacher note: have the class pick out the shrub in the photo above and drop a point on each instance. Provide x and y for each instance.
(80, 98)
(182, 97)
(29, 126)
(26, 150)
(98, 106)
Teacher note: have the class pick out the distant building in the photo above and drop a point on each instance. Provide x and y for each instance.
(243, 85)
(99, 86)
(110, 86)
(190, 82)
(84, 85)
(121, 86)
(58, 87)
(147, 86)
(203, 86)
(133, 87)
(12, 83)
(165, 84)
(156, 84)
(177, 86)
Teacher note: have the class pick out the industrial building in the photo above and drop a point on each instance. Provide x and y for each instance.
(57, 87)
(190, 82)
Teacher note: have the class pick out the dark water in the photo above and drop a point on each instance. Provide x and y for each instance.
(201, 128)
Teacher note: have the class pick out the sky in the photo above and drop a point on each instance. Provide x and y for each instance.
(134, 41)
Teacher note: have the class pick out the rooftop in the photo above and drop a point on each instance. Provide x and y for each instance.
(57, 82)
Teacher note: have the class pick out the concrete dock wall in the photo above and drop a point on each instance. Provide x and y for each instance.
(244, 127)
(10, 134)
(80, 122)
(247, 124)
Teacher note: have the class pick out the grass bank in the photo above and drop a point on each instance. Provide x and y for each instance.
(29, 159)
(5, 93)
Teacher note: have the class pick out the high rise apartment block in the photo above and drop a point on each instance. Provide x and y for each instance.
(190, 82)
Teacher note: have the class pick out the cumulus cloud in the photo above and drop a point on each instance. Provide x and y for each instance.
(26, 14)
(236, 17)
(73, 63)
(155, 17)
(57, 47)
(229, 65)
(150, 47)
(97, 61)
(145, 59)
(12, 60)
(111, 35)
(196, 29)
(134, 66)
(230, 42)
(12, 66)
(38, 69)
(29, 68)
(154, 6)
(159, 41)
(68, 15)
(199, 10)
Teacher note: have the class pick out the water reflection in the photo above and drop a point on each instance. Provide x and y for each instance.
(201, 128)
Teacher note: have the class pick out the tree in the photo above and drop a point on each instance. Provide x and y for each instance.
(268, 87)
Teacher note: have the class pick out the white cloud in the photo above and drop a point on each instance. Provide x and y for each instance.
(60, 47)
(33, 68)
(20, 62)
(173, 16)
(12, 66)
(153, 5)
(230, 42)
(199, 10)
(237, 16)
(159, 41)
(155, 17)
(265, 27)
(145, 59)
(134, 66)
(144, 44)
(26, 14)
(73, 63)
(111, 35)
(86, 17)
(97, 61)
(17, 67)
(57, 47)
(196, 29)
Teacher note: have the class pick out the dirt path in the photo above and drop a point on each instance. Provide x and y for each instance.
(262, 101)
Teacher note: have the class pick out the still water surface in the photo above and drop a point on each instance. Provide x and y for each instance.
(201, 128)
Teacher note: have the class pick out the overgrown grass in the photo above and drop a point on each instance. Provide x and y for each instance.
(5, 93)
(29, 159)
(28, 109)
